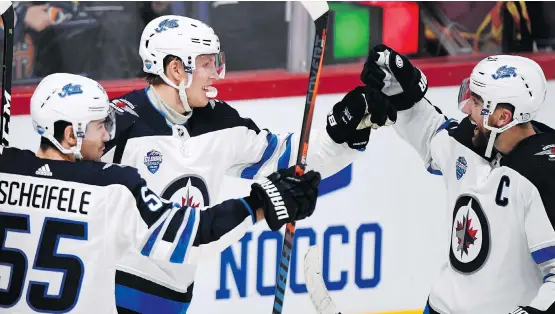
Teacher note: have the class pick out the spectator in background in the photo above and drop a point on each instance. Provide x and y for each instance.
(542, 16)
(96, 39)
(150, 10)
(501, 26)
(31, 19)
(36, 17)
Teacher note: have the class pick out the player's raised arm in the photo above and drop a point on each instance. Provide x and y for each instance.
(165, 231)
(418, 121)
(345, 137)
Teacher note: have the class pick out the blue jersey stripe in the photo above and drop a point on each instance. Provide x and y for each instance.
(178, 255)
(251, 171)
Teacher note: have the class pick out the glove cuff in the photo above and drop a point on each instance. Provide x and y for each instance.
(401, 101)
(253, 201)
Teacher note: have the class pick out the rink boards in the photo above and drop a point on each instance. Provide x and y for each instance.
(381, 224)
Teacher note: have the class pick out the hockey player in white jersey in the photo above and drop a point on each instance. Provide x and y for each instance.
(498, 165)
(171, 130)
(65, 219)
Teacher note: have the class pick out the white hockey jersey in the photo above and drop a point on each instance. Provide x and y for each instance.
(186, 164)
(64, 225)
(500, 232)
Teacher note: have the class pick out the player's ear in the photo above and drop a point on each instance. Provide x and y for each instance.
(505, 115)
(69, 137)
(175, 71)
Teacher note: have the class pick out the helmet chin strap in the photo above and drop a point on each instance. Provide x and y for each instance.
(211, 91)
(181, 89)
(75, 150)
(491, 142)
(494, 132)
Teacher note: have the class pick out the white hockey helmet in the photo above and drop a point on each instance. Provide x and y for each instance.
(182, 37)
(513, 80)
(74, 99)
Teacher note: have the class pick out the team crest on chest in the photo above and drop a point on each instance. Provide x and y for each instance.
(470, 240)
(188, 190)
(152, 161)
(460, 167)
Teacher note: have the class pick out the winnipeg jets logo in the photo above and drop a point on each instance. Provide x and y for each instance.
(165, 24)
(70, 89)
(504, 72)
(188, 199)
(548, 150)
(123, 105)
(188, 190)
(470, 241)
(465, 234)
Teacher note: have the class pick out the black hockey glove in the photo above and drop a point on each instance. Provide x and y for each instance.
(526, 310)
(286, 198)
(348, 122)
(394, 75)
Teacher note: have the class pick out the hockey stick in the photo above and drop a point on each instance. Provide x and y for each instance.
(315, 283)
(319, 12)
(8, 17)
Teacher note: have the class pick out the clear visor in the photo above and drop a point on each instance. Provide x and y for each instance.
(464, 93)
(110, 123)
(93, 129)
(219, 63)
(218, 66)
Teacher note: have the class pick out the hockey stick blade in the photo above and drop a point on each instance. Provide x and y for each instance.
(8, 19)
(315, 283)
(319, 12)
(4, 5)
(316, 8)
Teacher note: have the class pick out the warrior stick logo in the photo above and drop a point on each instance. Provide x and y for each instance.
(317, 55)
(276, 199)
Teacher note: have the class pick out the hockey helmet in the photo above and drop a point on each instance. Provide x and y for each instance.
(72, 98)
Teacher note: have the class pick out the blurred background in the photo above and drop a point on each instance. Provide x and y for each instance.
(100, 39)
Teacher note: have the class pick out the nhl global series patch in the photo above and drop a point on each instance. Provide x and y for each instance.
(461, 166)
(152, 161)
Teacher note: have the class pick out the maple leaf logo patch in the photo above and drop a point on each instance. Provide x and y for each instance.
(466, 234)
(470, 235)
